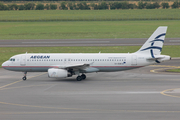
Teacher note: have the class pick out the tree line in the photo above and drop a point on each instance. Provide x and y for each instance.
(87, 6)
(76, 0)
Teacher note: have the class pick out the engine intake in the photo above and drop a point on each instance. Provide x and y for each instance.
(57, 73)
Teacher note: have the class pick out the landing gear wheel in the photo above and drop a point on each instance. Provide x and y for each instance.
(24, 78)
(83, 76)
(79, 78)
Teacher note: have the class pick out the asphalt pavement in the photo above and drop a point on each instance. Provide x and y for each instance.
(82, 42)
(147, 93)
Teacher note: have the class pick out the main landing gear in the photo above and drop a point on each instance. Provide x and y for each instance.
(82, 77)
(24, 78)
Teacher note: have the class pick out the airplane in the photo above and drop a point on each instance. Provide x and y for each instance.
(62, 65)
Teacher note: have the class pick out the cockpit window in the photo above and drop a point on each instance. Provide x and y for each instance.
(11, 59)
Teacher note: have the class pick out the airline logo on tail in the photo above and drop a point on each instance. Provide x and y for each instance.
(152, 43)
(155, 47)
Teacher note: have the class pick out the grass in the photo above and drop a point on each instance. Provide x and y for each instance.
(174, 70)
(90, 15)
(6, 53)
(86, 29)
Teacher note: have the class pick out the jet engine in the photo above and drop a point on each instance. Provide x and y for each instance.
(57, 73)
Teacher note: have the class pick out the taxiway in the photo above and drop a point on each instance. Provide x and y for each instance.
(127, 95)
(82, 42)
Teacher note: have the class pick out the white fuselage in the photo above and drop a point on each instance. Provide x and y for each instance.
(103, 62)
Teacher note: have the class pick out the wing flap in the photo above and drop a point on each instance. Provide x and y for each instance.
(73, 66)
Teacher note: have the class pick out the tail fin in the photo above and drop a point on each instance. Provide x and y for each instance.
(154, 44)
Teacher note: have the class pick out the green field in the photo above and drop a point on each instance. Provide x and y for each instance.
(6, 53)
(173, 70)
(90, 15)
(86, 29)
(82, 24)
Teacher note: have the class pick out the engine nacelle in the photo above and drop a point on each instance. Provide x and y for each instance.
(57, 73)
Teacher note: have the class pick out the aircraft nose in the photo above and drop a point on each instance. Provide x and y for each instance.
(4, 64)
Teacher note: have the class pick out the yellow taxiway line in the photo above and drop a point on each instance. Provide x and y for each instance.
(2, 87)
(166, 94)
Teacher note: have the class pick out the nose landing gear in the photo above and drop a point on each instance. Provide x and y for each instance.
(24, 78)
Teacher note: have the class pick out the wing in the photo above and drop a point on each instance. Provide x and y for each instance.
(81, 67)
(72, 66)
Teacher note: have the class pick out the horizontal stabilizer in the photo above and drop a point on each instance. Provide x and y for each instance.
(159, 58)
(155, 58)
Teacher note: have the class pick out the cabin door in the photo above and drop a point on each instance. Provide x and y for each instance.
(134, 60)
(23, 60)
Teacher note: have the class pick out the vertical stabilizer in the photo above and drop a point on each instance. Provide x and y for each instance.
(155, 43)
